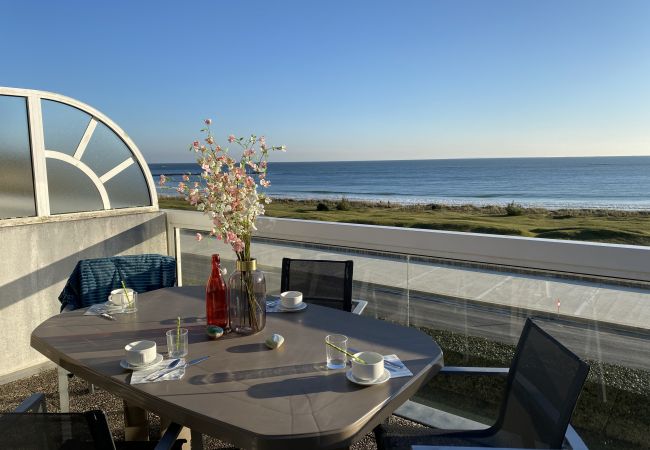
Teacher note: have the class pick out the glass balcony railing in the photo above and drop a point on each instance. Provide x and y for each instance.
(475, 307)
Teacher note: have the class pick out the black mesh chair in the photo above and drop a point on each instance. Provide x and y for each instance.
(543, 385)
(323, 282)
(31, 427)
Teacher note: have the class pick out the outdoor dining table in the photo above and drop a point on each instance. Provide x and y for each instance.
(245, 393)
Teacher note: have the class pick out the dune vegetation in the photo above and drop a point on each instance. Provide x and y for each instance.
(612, 226)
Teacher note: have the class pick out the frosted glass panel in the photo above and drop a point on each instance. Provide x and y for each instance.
(16, 182)
(128, 188)
(63, 126)
(70, 189)
(105, 150)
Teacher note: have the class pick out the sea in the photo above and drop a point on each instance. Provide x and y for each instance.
(621, 183)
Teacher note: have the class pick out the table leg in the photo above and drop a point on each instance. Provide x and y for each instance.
(64, 396)
(193, 438)
(136, 426)
(196, 440)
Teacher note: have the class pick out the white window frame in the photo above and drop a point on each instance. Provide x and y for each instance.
(39, 154)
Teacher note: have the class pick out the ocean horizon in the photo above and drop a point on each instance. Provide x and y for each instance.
(604, 182)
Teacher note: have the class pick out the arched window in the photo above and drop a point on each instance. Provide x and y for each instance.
(58, 156)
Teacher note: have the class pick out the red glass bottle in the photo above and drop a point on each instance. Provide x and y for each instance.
(216, 297)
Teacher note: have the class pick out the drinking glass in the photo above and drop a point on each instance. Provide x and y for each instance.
(177, 343)
(130, 302)
(335, 358)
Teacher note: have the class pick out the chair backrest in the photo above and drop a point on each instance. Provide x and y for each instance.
(544, 382)
(93, 279)
(55, 431)
(324, 282)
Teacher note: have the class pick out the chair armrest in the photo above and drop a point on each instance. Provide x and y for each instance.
(359, 307)
(446, 447)
(169, 438)
(571, 436)
(34, 404)
(500, 371)
(574, 439)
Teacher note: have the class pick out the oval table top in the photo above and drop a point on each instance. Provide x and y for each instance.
(245, 393)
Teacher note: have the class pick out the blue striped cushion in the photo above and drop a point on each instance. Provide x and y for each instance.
(93, 279)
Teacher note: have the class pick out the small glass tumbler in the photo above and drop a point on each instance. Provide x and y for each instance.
(130, 302)
(335, 358)
(177, 343)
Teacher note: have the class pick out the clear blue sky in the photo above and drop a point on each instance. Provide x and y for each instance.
(348, 80)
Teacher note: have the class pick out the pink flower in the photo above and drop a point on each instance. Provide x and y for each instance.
(265, 183)
(195, 144)
(231, 138)
(209, 140)
(237, 245)
(208, 121)
(186, 177)
(248, 152)
(163, 180)
(199, 236)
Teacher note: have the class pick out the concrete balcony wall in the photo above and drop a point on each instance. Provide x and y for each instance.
(38, 256)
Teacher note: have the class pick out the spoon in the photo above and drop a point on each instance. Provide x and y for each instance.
(173, 364)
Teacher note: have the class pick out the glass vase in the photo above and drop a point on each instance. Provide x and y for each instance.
(247, 291)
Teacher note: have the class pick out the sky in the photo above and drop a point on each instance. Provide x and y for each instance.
(345, 79)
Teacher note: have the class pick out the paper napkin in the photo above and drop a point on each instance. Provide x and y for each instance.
(394, 371)
(140, 376)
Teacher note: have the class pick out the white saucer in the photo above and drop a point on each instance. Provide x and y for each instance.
(382, 378)
(112, 307)
(126, 365)
(302, 306)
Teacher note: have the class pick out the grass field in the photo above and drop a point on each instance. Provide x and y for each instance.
(618, 227)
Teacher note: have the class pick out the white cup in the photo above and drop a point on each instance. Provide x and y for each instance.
(291, 299)
(126, 300)
(119, 297)
(140, 353)
(371, 370)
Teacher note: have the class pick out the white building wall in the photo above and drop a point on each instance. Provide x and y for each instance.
(37, 257)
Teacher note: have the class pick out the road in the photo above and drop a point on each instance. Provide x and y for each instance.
(591, 340)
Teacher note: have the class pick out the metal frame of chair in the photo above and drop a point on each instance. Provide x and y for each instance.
(35, 404)
(489, 436)
(352, 305)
